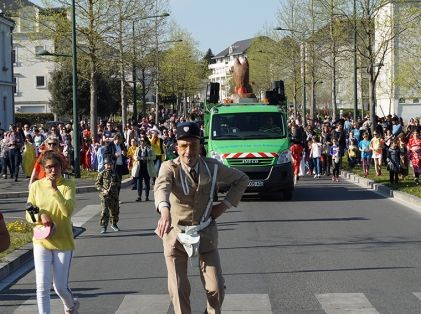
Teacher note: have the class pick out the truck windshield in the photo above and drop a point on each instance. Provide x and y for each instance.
(248, 125)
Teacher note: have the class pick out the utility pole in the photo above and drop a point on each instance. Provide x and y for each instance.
(355, 63)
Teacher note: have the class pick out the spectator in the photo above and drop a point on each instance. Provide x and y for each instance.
(376, 146)
(414, 149)
(393, 162)
(364, 147)
(145, 157)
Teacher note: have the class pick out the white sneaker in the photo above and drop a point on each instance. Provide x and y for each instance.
(74, 309)
(315, 176)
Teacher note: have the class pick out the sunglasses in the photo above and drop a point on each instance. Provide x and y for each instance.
(52, 144)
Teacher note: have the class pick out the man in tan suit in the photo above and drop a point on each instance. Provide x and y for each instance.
(184, 198)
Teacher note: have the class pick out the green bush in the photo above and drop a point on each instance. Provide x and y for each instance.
(33, 118)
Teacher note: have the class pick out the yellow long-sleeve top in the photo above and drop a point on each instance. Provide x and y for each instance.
(59, 205)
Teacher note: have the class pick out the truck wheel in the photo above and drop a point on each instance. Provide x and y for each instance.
(287, 195)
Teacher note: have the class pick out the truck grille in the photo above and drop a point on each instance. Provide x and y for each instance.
(250, 162)
(257, 175)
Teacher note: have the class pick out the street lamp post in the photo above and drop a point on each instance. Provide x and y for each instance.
(134, 76)
(303, 70)
(76, 155)
(76, 144)
(355, 63)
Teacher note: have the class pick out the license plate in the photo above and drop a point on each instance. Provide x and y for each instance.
(255, 183)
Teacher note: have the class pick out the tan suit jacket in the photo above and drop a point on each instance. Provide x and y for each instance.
(188, 209)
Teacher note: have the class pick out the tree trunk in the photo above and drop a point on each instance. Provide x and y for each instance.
(93, 99)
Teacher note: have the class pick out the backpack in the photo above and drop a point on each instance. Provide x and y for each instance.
(109, 150)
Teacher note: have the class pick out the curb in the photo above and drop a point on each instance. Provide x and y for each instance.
(383, 190)
(21, 256)
(79, 189)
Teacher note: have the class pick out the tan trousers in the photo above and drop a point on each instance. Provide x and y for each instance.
(179, 285)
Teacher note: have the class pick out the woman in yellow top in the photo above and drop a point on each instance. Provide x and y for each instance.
(28, 156)
(55, 198)
(130, 155)
(157, 145)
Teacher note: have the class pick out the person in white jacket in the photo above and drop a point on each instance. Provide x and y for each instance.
(315, 154)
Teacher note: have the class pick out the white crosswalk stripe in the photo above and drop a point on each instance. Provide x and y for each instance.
(85, 214)
(418, 295)
(349, 303)
(160, 304)
(30, 306)
(246, 304)
(144, 304)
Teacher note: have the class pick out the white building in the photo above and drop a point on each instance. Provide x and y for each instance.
(224, 61)
(6, 72)
(31, 73)
(398, 89)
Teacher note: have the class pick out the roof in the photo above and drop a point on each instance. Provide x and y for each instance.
(9, 6)
(238, 48)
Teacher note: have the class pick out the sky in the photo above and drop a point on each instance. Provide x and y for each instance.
(217, 24)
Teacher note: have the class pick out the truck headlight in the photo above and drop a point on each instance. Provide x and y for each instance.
(284, 157)
(216, 156)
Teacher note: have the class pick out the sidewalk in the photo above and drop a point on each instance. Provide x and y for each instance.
(11, 189)
(401, 197)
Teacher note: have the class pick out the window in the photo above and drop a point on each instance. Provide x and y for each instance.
(39, 49)
(416, 100)
(15, 85)
(401, 100)
(14, 56)
(40, 81)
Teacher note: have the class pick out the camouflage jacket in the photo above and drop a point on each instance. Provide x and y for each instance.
(109, 181)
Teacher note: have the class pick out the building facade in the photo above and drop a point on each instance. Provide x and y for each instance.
(31, 72)
(6, 73)
(398, 88)
(223, 63)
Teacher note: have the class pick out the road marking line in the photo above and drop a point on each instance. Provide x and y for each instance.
(85, 214)
(144, 304)
(349, 303)
(160, 304)
(417, 294)
(246, 304)
(30, 306)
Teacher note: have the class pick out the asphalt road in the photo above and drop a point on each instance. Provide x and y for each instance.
(335, 248)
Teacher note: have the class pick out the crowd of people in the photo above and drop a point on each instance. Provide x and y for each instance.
(319, 148)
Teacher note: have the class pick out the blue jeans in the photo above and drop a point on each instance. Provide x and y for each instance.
(316, 163)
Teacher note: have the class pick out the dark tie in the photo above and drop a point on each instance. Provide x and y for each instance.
(194, 175)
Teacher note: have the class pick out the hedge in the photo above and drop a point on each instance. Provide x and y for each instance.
(33, 118)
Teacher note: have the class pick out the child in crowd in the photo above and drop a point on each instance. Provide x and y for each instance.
(296, 155)
(364, 147)
(108, 184)
(352, 153)
(376, 146)
(393, 162)
(315, 154)
(336, 159)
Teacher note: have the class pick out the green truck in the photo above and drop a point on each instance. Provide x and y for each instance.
(252, 137)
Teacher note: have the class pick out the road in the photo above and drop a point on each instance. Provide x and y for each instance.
(336, 248)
